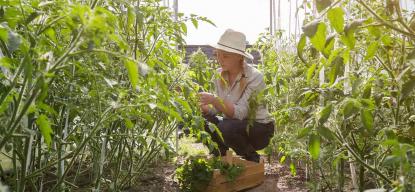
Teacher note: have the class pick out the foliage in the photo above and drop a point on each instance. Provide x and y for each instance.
(196, 173)
(202, 70)
(357, 72)
(285, 81)
(347, 94)
(231, 171)
(88, 89)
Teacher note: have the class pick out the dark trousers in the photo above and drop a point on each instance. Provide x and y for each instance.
(236, 136)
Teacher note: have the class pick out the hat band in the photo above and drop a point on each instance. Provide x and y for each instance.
(231, 47)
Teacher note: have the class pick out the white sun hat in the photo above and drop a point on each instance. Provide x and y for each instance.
(234, 42)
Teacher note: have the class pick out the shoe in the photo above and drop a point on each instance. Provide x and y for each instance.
(216, 153)
(254, 158)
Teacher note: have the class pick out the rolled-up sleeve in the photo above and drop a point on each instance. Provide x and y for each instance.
(212, 109)
(241, 107)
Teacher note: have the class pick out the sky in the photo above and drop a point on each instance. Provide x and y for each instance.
(248, 16)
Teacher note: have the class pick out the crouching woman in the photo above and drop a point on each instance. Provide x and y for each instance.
(237, 85)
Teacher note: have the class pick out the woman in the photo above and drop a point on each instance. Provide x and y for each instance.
(238, 82)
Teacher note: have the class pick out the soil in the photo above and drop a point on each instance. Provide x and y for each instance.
(278, 178)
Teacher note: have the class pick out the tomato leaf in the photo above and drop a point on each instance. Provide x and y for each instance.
(132, 69)
(325, 113)
(314, 146)
(367, 119)
(336, 18)
(319, 38)
(45, 128)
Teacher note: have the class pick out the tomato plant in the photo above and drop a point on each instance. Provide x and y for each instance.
(88, 91)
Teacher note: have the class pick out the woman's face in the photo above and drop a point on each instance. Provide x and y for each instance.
(229, 61)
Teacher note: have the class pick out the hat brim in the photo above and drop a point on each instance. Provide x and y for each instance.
(227, 49)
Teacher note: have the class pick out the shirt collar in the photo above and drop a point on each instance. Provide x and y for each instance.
(244, 72)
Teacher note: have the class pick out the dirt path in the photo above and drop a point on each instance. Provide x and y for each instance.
(278, 178)
(160, 177)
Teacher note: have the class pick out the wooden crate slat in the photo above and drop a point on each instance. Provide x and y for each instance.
(219, 178)
(239, 184)
(252, 175)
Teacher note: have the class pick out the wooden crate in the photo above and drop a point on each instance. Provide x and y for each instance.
(252, 175)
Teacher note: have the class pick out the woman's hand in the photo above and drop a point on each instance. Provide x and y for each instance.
(204, 108)
(223, 106)
(206, 98)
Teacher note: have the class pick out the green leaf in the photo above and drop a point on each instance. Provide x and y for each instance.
(351, 27)
(195, 22)
(374, 31)
(303, 132)
(132, 69)
(45, 128)
(5, 103)
(170, 111)
(367, 91)
(322, 4)
(390, 142)
(4, 34)
(6, 62)
(336, 69)
(329, 46)
(319, 38)
(314, 146)
(128, 123)
(205, 19)
(336, 18)
(282, 160)
(387, 40)
(350, 107)
(28, 68)
(367, 119)
(349, 37)
(349, 40)
(310, 29)
(371, 50)
(185, 105)
(326, 133)
(183, 26)
(292, 169)
(130, 16)
(216, 130)
(48, 109)
(300, 48)
(310, 72)
(50, 32)
(325, 113)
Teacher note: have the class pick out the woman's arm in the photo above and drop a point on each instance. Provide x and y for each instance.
(221, 105)
(238, 110)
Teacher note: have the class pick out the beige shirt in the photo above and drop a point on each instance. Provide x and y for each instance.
(254, 83)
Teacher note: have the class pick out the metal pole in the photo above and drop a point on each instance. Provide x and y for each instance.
(270, 17)
(289, 21)
(278, 23)
(176, 11)
(274, 17)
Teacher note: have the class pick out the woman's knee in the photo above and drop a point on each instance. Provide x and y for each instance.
(261, 135)
(225, 128)
(232, 128)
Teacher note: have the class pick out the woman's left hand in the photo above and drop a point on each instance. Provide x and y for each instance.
(206, 98)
